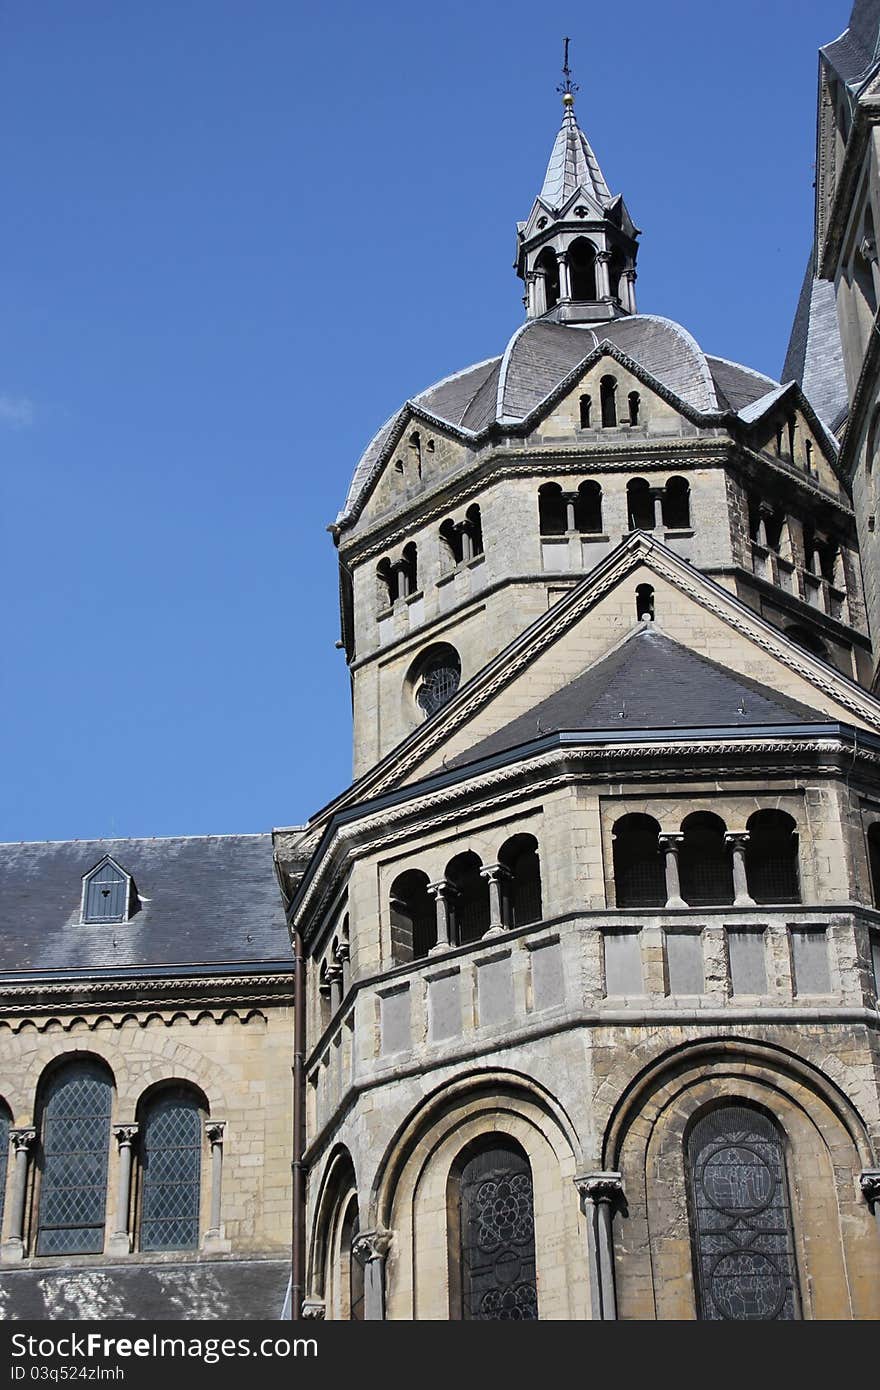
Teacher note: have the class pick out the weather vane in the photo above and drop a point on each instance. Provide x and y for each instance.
(568, 88)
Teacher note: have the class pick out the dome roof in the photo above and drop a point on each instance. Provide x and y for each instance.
(540, 356)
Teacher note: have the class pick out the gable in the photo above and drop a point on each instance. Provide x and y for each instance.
(786, 434)
(423, 455)
(650, 413)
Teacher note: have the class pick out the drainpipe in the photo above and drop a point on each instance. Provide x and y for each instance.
(298, 1168)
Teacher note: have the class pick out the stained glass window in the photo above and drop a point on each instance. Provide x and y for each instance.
(171, 1156)
(498, 1237)
(75, 1141)
(741, 1222)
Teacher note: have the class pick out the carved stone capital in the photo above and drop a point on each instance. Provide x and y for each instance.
(672, 840)
(214, 1131)
(600, 1187)
(736, 839)
(342, 951)
(125, 1134)
(314, 1308)
(869, 1181)
(493, 873)
(442, 889)
(371, 1245)
(21, 1139)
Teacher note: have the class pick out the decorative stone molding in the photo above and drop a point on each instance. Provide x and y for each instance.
(125, 1134)
(869, 1181)
(22, 1139)
(371, 1245)
(600, 1187)
(314, 1308)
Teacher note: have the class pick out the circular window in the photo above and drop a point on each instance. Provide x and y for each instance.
(436, 678)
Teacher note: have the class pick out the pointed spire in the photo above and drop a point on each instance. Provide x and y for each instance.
(572, 163)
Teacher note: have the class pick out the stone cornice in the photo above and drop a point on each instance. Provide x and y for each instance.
(85, 996)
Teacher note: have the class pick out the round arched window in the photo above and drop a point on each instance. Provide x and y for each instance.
(436, 678)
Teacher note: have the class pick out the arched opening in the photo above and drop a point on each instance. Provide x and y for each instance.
(616, 267)
(645, 603)
(634, 401)
(470, 898)
(351, 1271)
(522, 886)
(608, 399)
(874, 860)
(808, 641)
(772, 858)
(413, 917)
(491, 1233)
(409, 569)
(551, 510)
(639, 875)
(435, 677)
(548, 265)
(450, 545)
(705, 865)
(741, 1229)
(171, 1123)
(386, 584)
(588, 508)
(586, 407)
(73, 1110)
(640, 505)
(677, 505)
(474, 529)
(582, 269)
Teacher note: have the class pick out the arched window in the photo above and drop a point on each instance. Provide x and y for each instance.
(640, 505)
(5, 1120)
(474, 530)
(470, 900)
(582, 269)
(551, 510)
(639, 875)
(634, 401)
(435, 676)
(352, 1269)
(74, 1125)
(386, 583)
(171, 1169)
(645, 602)
(772, 858)
(451, 552)
(409, 569)
(705, 864)
(548, 264)
(588, 508)
(740, 1218)
(874, 861)
(413, 917)
(677, 505)
(522, 886)
(608, 398)
(491, 1213)
(774, 524)
(808, 640)
(586, 406)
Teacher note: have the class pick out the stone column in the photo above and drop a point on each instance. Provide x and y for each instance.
(737, 841)
(214, 1240)
(20, 1142)
(564, 277)
(442, 893)
(600, 1194)
(657, 499)
(495, 874)
(120, 1239)
(334, 980)
(670, 845)
(530, 295)
(370, 1248)
(343, 956)
(628, 279)
(569, 498)
(399, 572)
(540, 293)
(603, 279)
(869, 1181)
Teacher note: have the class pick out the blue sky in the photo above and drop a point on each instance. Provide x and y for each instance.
(236, 236)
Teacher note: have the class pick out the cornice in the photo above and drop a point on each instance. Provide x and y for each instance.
(81, 996)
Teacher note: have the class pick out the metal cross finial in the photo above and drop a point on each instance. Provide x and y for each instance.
(567, 87)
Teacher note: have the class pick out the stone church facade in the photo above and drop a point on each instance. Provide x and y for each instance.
(590, 948)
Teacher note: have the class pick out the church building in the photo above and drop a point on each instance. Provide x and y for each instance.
(586, 960)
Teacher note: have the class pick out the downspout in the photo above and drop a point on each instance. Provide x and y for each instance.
(298, 1167)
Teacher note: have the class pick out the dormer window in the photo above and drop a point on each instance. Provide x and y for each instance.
(107, 893)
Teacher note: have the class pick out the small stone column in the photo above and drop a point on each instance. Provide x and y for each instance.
(737, 841)
(600, 1194)
(657, 500)
(603, 279)
(869, 1181)
(495, 875)
(370, 1248)
(313, 1308)
(670, 845)
(20, 1141)
(120, 1239)
(564, 277)
(334, 980)
(214, 1240)
(442, 892)
(628, 279)
(539, 293)
(570, 498)
(343, 957)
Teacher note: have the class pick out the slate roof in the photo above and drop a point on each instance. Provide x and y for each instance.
(213, 1290)
(572, 165)
(854, 53)
(815, 353)
(202, 900)
(648, 682)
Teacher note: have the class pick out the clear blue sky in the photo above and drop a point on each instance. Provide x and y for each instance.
(236, 235)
